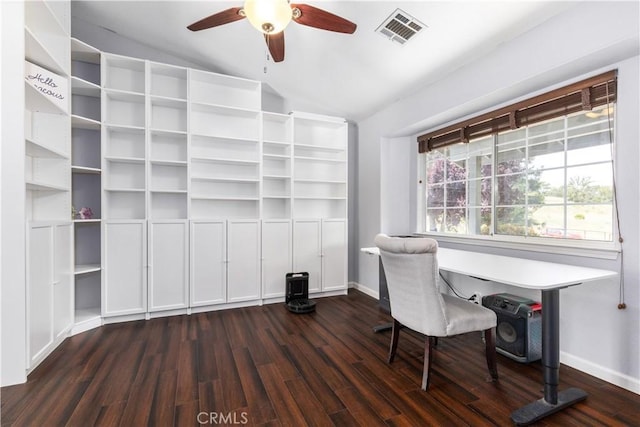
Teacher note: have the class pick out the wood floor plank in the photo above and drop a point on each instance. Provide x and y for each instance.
(187, 389)
(276, 354)
(233, 393)
(259, 408)
(382, 369)
(107, 416)
(360, 408)
(238, 332)
(186, 414)
(377, 401)
(164, 400)
(287, 410)
(309, 404)
(344, 418)
(322, 378)
(207, 364)
(211, 397)
(278, 368)
(141, 394)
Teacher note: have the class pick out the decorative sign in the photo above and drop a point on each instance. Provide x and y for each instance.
(51, 85)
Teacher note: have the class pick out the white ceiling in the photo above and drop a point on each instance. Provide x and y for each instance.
(352, 76)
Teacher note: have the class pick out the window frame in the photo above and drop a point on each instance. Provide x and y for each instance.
(578, 247)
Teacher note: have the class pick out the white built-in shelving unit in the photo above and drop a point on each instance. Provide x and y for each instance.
(86, 172)
(49, 266)
(200, 198)
(320, 200)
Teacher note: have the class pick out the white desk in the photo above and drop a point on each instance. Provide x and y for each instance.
(544, 276)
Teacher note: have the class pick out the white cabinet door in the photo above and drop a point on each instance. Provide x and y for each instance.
(276, 257)
(307, 251)
(334, 254)
(168, 274)
(243, 260)
(62, 281)
(125, 268)
(208, 258)
(39, 291)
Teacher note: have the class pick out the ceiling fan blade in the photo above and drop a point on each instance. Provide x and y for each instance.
(275, 42)
(220, 18)
(313, 17)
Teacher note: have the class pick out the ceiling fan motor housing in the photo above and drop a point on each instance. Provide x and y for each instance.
(271, 16)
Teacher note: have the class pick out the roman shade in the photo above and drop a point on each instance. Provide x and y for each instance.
(580, 96)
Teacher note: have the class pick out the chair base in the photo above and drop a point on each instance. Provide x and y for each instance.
(431, 342)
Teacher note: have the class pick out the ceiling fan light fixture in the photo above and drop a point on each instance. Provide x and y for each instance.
(268, 16)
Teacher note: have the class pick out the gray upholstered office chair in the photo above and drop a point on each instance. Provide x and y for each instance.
(411, 268)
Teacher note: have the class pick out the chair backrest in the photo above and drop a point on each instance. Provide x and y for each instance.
(411, 268)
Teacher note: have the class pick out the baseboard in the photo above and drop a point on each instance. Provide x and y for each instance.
(365, 290)
(609, 375)
(86, 325)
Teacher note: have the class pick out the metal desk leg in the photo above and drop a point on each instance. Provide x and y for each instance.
(384, 298)
(553, 401)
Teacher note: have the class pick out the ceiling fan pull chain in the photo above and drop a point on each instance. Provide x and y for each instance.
(267, 55)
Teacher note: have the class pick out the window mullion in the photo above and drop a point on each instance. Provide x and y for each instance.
(526, 182)
(566, 176)
(494, 184)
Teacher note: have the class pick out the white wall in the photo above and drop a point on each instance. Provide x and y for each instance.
(12, 212)
(596, 336)
(108, 41)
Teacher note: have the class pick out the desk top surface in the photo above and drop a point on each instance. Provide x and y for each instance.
(520, 272)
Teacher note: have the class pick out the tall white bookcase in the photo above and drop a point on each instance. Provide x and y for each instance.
(49, 265)
(320, 200)
(86, 173)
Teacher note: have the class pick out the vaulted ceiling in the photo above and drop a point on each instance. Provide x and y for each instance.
(352, 76)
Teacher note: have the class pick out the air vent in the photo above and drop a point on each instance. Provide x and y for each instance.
(400, 27)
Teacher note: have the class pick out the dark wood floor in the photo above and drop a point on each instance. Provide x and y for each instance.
(266, 366)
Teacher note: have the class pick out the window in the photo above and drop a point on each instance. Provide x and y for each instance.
(551, 179)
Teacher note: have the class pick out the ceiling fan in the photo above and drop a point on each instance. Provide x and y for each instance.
(272, 16)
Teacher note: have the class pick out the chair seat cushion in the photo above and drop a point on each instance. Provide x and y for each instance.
(465, 316)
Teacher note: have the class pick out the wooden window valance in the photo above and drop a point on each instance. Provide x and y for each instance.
(580, 96)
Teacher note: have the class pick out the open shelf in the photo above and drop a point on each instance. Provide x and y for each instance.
(83, 87)
(87, 268)
(125, 109)
(224, 90)
(43, 53)
(43, 186)
(210, 208)
(124, 73)
(124, 142)
(168, 81)
(169, 204)
(86, 170)
(80, 122)
(224, 122)
(168, 114)
(277, 128)
(82, 52)
(35, 101)
(320, 133)
(36, 149)
(87, 221)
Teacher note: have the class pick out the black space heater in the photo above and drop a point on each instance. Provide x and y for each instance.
(297, 296)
